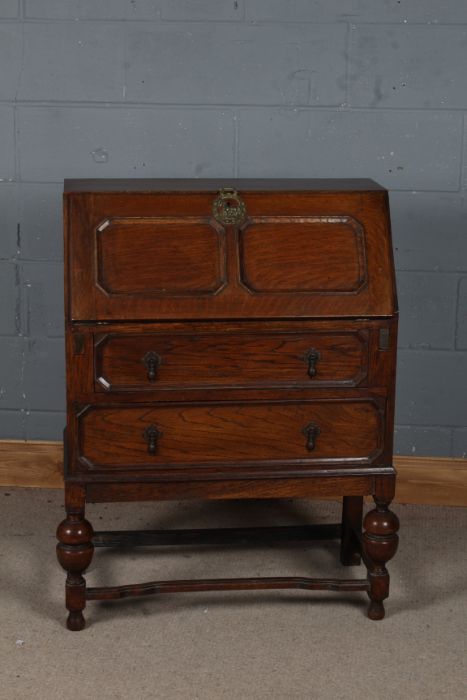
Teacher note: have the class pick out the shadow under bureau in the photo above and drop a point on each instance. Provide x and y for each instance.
(229, 339)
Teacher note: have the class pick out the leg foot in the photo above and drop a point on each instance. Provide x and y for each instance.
(380, 544)
(75, 621)
(375, 610)
(74, 552)
(352, 510)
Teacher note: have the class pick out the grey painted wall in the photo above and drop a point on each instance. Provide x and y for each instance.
(179, 88)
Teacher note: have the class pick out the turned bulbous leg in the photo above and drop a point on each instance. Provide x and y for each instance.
(380, 543)
(74, 552)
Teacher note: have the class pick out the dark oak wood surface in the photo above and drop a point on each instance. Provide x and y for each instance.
(303, 255)
(150, 361)
(160, 256)
(273, 432)
(229, 344)
(163, 255)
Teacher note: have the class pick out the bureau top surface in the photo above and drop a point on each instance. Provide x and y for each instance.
(212, 185)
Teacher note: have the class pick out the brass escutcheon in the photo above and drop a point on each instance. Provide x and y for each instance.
(228, 207)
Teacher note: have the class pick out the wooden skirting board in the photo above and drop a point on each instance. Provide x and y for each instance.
(428, 480)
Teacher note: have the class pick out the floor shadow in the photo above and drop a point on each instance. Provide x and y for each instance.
(106, 610)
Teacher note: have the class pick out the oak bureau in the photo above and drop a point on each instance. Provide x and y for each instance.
(229, 339)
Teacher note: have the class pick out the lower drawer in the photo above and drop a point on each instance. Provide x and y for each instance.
(197, 435)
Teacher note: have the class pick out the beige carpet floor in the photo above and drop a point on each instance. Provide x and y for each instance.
(230, 645)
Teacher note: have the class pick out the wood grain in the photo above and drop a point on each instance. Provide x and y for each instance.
(217, 358)
(31, 463)
(163, 256)
(327, 255)
(431, 480)
(111, 276)
(273, 434)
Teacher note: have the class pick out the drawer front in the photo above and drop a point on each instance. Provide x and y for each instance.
(189, 435)
(169, 256)
(151, 361)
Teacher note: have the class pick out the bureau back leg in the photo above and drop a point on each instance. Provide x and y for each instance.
(352, 513)
(380, 542)
(74, 552)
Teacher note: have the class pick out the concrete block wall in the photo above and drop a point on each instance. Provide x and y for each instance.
(225, 88)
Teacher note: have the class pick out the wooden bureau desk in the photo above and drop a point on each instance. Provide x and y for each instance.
(229, 339)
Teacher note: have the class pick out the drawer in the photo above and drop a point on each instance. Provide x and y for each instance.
(185, 435)
(151, 361)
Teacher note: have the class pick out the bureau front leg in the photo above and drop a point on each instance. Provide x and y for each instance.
(74, 552)
(380, 542)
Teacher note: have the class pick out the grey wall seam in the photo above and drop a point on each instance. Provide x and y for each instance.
(297, 107)
(240, 22)
(236, 117)
(462, 153)
(456, 329)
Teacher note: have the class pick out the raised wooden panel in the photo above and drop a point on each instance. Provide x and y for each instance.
(216, 359)
(312, 255)
(160, 256)
(277, 433)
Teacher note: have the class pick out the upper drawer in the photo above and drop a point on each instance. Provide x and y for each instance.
(179, 255)
(220, 359)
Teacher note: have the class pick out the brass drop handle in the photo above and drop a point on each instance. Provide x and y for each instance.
(311, 432)
(152, 435)
(312, 357)
(152, 360)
